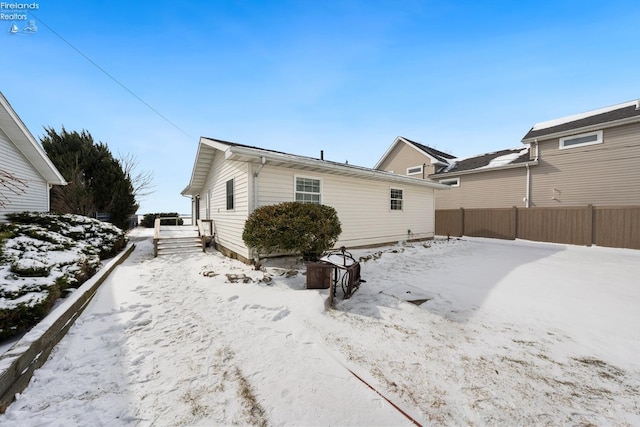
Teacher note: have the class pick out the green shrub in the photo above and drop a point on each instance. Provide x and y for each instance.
(24, 315)
(41, 256)
(25, 267)
(304, 228)
(148, 220)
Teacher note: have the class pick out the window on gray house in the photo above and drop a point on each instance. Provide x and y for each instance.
(414, 170)
(451, 182)
(581, 140)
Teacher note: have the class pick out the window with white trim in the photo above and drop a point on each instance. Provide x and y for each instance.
(308, 190)
(581, 140)
(451, 182)
(396, 199)
(415, 170)
(230, 195)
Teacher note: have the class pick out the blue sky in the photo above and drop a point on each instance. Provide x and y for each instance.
(346, 77)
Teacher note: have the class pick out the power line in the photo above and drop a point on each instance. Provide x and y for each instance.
(105, 72)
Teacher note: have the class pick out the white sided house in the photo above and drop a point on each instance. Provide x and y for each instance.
(26, 173)
(229, 181)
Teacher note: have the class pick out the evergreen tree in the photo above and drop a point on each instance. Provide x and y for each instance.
(97, 181)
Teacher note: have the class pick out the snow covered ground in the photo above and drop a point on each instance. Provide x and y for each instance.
(511, 333)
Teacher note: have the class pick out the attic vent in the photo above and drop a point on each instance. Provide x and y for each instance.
(638, 104)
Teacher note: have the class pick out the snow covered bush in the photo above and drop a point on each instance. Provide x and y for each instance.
(41, 255)
(304, 228)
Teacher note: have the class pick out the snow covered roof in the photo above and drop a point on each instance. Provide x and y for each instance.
(614, 115)
(436, 155)
(17, 132)
(208, 147)
(502, 159)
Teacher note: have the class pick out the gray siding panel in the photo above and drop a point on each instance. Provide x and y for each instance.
(403, 157)
(604, 174)
(490, 189)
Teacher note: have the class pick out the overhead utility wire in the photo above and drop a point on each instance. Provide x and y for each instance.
(112, 77)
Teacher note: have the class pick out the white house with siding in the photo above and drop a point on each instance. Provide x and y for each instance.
(229, 181)
(26, 173)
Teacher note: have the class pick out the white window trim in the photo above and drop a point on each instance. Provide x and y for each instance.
(403, 199)
(568, 138)
(456, 182)
(233, 195)
(295, 182)
(421, 167)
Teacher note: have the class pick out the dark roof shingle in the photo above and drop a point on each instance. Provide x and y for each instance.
(483, 160)
(439, 155)
(627, 110)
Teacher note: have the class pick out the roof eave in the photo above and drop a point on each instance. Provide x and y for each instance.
(399, 139)
(194, 186)
(483, 169)
(255, 155)
(24, 141)
(597, 126)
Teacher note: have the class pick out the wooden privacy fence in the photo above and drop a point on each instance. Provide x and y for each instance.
(612, 226)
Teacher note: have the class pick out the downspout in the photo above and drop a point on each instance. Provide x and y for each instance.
(263, 160)
(528, 193)
(252, 252)
(534, 148)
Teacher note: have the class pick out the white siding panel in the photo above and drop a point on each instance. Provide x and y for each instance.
(36, 196)
(229, 223)
(363, 206)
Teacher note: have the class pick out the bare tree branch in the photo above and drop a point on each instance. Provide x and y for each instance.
(75, 197)
(10, 183)
(142, 182)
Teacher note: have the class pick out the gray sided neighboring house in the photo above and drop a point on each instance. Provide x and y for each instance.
(489, 180)
(587, 158)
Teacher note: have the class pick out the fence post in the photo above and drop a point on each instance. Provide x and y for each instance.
(589, 225)
(514, 231)
(461, 222)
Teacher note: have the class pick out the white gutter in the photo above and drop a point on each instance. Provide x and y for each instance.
(263, 160)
